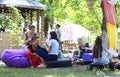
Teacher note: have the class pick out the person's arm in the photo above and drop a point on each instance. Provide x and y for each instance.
(26, 40)
(41, 59)
(79, 51)
(48, 48)
(88, 47)
(59, 32)
(48, 45)
(30, 61)
(110, 54)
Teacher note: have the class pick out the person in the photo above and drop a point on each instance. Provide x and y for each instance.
(57, 29)
(51, 51)
(100, 53)
(29, 35)
(31, 55)
(82, 48)
(58, 32)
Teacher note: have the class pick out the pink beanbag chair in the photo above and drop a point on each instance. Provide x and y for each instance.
(15, 58)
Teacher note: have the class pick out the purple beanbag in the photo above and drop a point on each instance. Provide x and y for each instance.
(15, 58)
(88, 57)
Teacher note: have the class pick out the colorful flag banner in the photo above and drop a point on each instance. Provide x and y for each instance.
(110, 17)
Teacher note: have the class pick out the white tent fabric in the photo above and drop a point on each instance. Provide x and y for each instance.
(73, 32)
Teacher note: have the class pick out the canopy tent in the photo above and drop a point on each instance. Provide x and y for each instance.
(73, 32)
(26, 7)
(32, 4)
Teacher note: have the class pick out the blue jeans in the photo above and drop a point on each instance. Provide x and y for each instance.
(42, 52)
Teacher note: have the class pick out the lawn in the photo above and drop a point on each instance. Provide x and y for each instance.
(76, 71)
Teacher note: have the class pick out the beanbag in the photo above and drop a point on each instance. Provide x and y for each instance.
(87, 57)
(15, 58)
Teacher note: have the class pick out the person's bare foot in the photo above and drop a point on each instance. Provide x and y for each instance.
(41, 65)
(32, 67)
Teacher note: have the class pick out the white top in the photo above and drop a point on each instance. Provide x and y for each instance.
(54, 47)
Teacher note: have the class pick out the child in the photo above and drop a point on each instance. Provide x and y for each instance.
(35, 61)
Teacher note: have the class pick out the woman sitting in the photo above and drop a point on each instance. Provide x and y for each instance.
(51, 51)
(35, 61)
(83, 47)
(100, 52)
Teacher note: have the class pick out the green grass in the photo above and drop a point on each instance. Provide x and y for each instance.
(78, 71)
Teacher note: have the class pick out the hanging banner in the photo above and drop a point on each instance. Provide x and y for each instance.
(110, 17)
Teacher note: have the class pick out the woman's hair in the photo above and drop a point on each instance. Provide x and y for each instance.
(58, 25)
(34, 38)
(97, 49)
(31, 27)
(53, 35)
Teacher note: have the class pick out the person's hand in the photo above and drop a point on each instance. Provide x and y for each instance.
(34, 53)
(29, 39)
(76, 56)
(46, 44)
(86, 48)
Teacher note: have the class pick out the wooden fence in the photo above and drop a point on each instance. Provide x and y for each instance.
(5, 43)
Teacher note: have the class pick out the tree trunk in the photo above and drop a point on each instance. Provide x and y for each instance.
(103, 27)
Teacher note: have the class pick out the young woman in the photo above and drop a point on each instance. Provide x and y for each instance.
(100, 52)
(51, 51)
(35, 61)
(29, 35)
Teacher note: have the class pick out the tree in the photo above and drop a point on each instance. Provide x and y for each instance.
(16, 29)
(87, 13)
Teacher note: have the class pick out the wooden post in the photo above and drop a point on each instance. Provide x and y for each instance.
(31, 16)
(38, 21)
(42, 26)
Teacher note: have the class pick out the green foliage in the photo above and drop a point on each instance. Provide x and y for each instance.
(4, 21)
(87, 13)
(16, 30)
(118, 13)
(118, 16)
(119, 35)
(75, 11)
